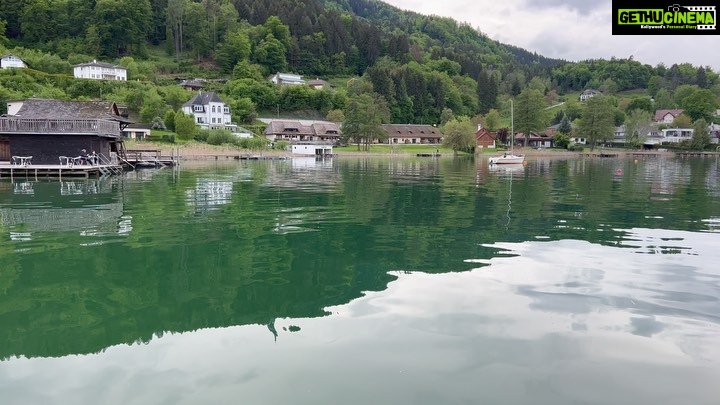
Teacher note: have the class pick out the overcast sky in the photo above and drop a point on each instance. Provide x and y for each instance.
(573, 30)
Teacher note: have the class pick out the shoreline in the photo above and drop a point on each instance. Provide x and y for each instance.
(208, 153)
(205, 152)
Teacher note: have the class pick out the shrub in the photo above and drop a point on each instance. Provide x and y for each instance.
(219, 137)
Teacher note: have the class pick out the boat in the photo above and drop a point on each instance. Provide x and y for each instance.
(508, 158)
(511, 157)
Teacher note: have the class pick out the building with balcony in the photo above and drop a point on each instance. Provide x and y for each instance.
(99, 71)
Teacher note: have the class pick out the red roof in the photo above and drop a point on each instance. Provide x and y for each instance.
(660, 114)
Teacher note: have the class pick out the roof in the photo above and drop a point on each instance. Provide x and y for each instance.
(9, 54)
(660, 114)
(533, 136)
(412, 130)
(326, 128)
(39, 108)
(591, 91)
(483, 133)
(204, 98)
(288, 78)
(192, 83)
(101, 64)
(285, 126)
(316, 82)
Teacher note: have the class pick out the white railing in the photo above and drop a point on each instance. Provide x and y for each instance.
(55, 126)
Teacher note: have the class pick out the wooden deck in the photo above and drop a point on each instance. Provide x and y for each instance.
(8, 170)
(699, 154)
(149, 158)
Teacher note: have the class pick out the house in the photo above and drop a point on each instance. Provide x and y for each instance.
(210, 112)
(326, 131)
(312, 149)
(192, 85)
(285, 79)
(11, 61)
(485, 138)
(137, 131)
(714, 130)
(318, 84)
(47, 129)
(412, 134)
(667, 116)
(99, 71)
(297, 131)
(589, 93)
(619, 135)
(535, 140)
(676, 135)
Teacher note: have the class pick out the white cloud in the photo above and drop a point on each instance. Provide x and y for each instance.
(573, 30)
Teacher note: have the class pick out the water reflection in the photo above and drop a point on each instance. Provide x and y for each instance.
(498, 334)
(457, 275)
(42, 207)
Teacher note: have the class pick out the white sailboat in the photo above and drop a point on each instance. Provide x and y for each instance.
(509, 158)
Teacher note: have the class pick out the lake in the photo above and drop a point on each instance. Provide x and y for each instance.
(365, 281)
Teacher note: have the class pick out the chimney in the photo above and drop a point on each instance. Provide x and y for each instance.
(479, 127)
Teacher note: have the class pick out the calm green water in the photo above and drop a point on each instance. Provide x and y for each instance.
(364, 281)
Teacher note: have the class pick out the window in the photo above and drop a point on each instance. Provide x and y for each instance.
(226, 110)
(197, 108)
(213, 110)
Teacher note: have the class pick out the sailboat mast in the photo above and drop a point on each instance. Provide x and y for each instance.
(512, 127)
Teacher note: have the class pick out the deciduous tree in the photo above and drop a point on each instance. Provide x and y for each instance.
(459, 134)
(637, 126)
(701, 135)
(529, 114)
(363, 120)
(185, 125)
(701, 104)
(493, 120)
(596, 124)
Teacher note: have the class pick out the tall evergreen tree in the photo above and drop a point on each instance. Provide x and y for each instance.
(487, 89)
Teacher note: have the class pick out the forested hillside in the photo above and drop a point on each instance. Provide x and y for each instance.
(420, 66)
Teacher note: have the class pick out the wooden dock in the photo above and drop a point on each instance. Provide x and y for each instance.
(602, 155)
(149, 158)
(697, 154)
(260, 157)
(38, 171)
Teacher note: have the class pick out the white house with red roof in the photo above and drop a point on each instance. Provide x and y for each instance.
(667, 116)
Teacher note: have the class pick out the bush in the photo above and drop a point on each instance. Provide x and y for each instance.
(281, 145)
(169, 138)
(220, 136)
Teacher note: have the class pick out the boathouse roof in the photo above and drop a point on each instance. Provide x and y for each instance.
(38, 108)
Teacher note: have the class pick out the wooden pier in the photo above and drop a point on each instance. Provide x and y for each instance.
(38, 171)
(139, 158)
(697, 154)
(261, 157)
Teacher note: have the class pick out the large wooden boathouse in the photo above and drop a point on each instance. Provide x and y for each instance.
(40, 137)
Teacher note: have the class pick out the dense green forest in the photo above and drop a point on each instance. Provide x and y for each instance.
(424, 68)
